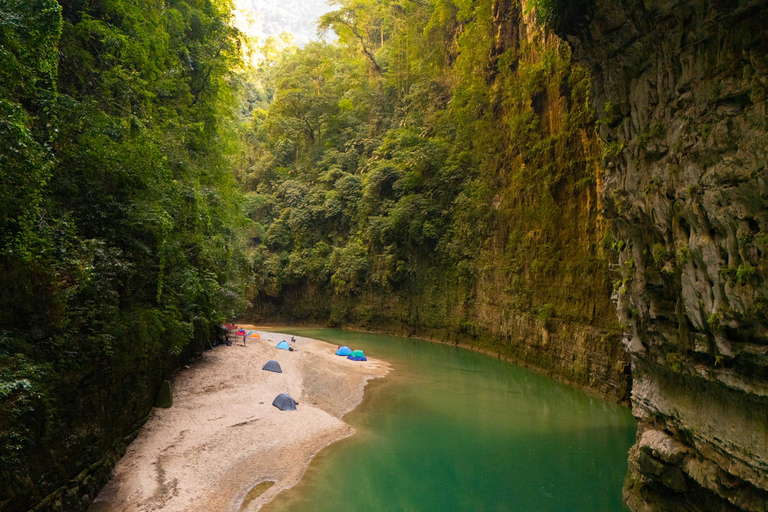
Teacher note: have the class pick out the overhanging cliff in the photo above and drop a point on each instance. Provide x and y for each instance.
(680, 89)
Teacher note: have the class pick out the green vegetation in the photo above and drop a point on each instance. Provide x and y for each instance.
(659, 253)
(613, 149)
(745, 273)
(714, 321)
(612, 115)
(563, 16)
(423, 171)
(165, 395)
(675, 360)
(119, 218)
(433, 170)
(648, 134)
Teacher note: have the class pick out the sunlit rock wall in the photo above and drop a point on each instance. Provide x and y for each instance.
(539, 292)
(680, 90)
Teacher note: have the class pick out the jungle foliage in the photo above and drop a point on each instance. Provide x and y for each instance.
(440, 155)
(435, 166)
(120, 218)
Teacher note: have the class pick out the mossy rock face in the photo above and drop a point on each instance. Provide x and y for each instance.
(165, 395)
(541, 261)
(685, 196)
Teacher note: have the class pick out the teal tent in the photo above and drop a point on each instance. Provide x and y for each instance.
(344, 351)
(357, 355)
(284, 345)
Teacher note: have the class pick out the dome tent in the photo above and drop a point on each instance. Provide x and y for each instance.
(284, 345)
(344, 351)
(254, 335)
(272, 366)
(284, 402)
(357, 355)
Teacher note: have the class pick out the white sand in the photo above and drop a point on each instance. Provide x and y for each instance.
(223, 436)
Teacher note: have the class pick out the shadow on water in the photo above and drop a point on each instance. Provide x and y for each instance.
(450, 429)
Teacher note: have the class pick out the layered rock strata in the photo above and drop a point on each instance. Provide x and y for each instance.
(681, 92)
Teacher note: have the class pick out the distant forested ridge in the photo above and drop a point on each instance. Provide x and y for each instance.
(120, 223)
(435, 172)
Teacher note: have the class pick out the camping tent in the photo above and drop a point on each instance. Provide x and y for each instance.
(357, 355)
(254, 335)
(284, 402)
(284, 345)
(344, 351)
(272, 366)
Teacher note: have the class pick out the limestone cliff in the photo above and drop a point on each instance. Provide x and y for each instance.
(538, 286)
(680, 89)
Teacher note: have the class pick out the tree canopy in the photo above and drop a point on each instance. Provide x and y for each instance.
(434, 165)
(435, 146)
(120, 217)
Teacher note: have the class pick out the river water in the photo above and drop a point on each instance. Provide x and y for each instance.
(454, 430)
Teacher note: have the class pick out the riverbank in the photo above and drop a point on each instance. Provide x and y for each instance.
(222, 438)
(454, 429)
(608, 391)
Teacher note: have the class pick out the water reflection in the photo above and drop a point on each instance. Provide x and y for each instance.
(452, 429)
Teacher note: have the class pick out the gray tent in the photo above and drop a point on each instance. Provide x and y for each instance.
(284, 402)
(272, 366)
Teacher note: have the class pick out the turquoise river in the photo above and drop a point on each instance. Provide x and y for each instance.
(454, 430)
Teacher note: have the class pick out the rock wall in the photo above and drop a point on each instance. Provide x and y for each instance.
(540, 284)
(587, 356)
(680, 89)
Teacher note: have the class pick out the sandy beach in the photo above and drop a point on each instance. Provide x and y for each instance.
(222, 437)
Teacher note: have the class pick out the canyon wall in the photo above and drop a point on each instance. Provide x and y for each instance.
(533, 282)
(100, 410)
(680, 91)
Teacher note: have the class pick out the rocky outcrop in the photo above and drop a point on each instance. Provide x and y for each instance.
(680, 89)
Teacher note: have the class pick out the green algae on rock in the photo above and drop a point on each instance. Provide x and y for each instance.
(470, 216)
(684, 87)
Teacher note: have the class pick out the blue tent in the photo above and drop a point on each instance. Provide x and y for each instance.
(357, 355)
(284, 345)
(344, 351)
